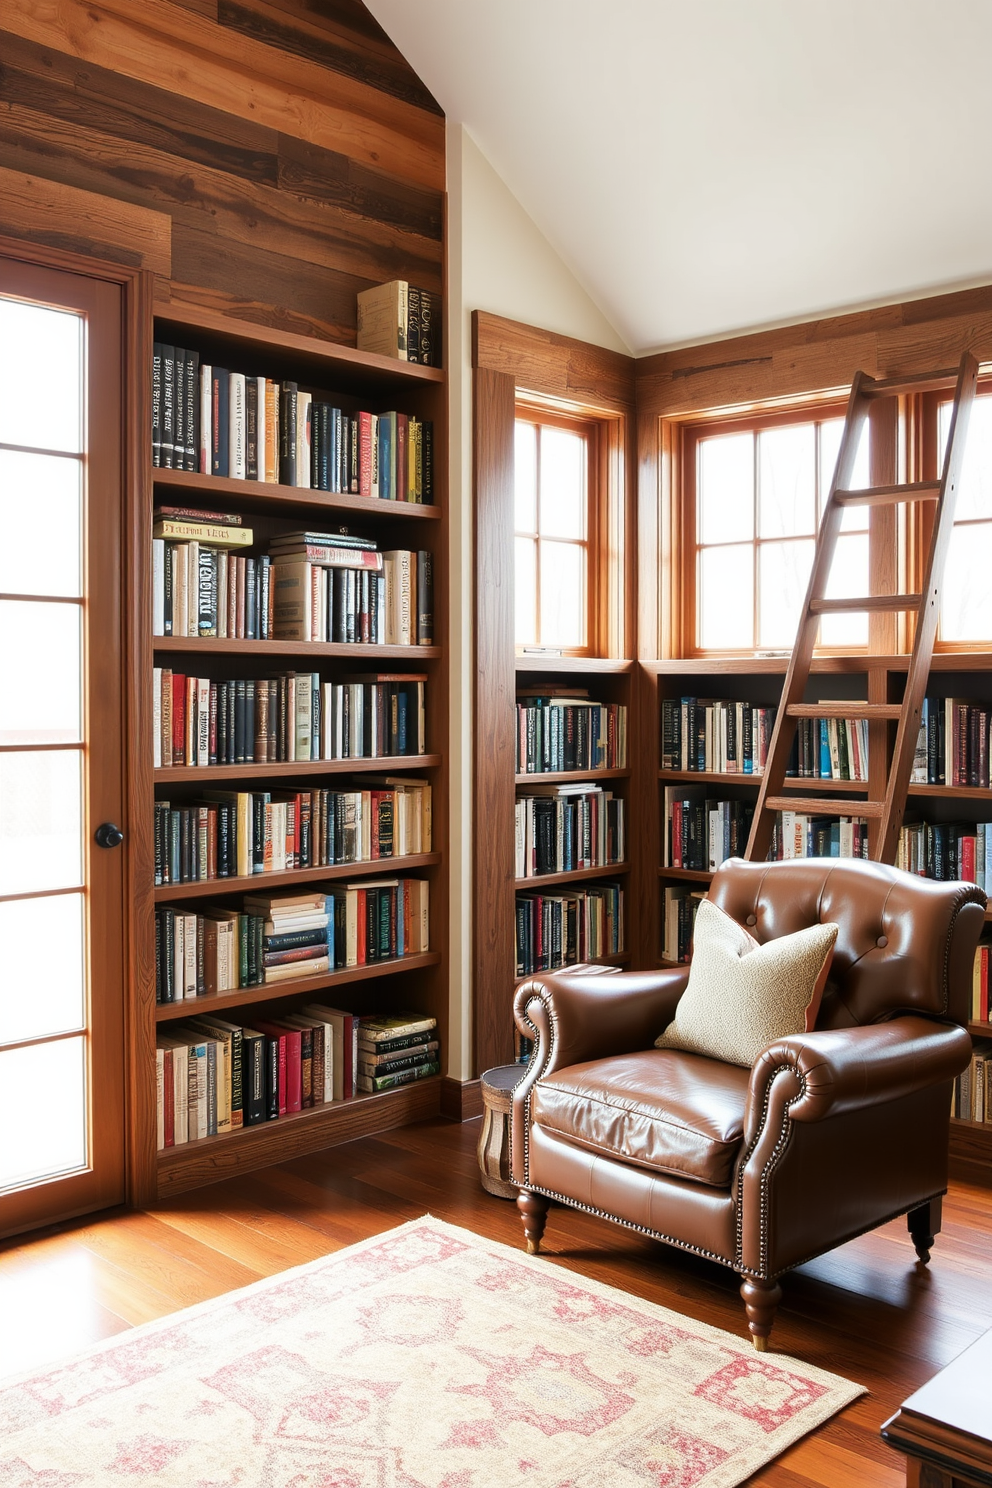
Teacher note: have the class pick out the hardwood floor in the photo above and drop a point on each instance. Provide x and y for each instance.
(865, 1311)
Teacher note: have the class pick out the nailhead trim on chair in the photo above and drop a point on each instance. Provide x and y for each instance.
(628, 1224)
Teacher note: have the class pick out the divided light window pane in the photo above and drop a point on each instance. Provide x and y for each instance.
(33, 486)
(966, 607)
(726, 488)
(726, 598)
(41, 994)
(787, 481)
(40, 821)
(49, 355)
(551, 521)
(51, 1137)
(40, 641)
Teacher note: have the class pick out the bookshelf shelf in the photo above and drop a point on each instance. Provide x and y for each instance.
(298, 1132)
(287, 501)
(318, 650)
(212, 887)
(385, 764)
(601, 666)
(166, 1012)
(793, 782)
(562, 777)
(690, 875)
(575, 875)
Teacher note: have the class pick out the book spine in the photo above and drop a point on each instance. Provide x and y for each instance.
(251, 428)
(205, 447)
(220, 421)
(287, 434)
(237, 430)
(192, 397)
(168, 354)
(157, 404)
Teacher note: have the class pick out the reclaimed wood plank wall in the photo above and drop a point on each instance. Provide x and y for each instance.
(264, 158)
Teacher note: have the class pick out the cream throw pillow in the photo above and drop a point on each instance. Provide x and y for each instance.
(742, 996)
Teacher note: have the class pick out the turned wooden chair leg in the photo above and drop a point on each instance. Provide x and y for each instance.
(533, 1209)
(924, 1225)
(761, 1298)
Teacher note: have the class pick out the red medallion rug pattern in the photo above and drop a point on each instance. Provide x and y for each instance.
(427, 1357)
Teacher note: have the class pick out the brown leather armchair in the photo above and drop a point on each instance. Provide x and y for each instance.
(829, 1134)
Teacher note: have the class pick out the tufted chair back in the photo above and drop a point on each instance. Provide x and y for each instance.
(899, 947)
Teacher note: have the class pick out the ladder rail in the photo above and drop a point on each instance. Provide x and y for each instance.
(759, 839)
(908, 728)
(887, 813)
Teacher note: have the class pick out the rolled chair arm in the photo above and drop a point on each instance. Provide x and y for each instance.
(575, 1018)
(848, 1069)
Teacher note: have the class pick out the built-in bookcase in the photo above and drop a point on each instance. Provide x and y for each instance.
(351, 380)
(871, 678)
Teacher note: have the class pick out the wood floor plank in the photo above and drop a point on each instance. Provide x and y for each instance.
(866, 1311)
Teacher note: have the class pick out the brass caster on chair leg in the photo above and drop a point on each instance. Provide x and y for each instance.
(533, 1247)
(760, 1301)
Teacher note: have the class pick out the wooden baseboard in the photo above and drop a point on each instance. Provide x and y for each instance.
(461, 1100)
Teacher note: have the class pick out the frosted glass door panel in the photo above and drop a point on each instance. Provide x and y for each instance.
(40, 673)
(51, 1133)
(41, 995)
(40, 821)
(46, 487)
(49, 348)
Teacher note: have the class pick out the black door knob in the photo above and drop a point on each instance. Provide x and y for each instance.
(108, 835)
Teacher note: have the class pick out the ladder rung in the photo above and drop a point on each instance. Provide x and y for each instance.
(918, 382)
(871, 602)
(889, 495)
(825, 806)
(844, 710)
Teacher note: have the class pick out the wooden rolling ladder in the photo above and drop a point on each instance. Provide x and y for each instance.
(884, 816)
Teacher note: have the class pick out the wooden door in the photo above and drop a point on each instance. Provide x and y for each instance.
(61, 752)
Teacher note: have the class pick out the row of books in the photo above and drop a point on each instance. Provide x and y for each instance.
(243, 427)
(559, 732)
(236, 834)
(701, 833)
(400, 320)
(315, 594)
(829, 749)
(948, 850)
(980, 984)
(212, 949)
(198, 721)
(717, 735)
(798, 835)
(303, 589)
(679, 908)
(215, 1077)
(953, 744)
(972, 1099)
(560, 828)
(557, 930)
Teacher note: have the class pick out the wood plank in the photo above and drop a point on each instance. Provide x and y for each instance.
(303, 35)
(589, 378)
(160, 44)
(329, 176)
(211, 887)
(50, 212)
(204, 198)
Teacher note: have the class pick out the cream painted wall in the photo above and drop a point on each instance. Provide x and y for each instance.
(498, 261)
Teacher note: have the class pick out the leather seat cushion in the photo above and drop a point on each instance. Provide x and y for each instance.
(660, 1109)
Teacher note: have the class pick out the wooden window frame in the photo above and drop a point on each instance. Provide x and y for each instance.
(892, 542)
(928, 454)
(595, 542)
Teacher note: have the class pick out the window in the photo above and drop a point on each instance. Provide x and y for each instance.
(966, 603)
(754, 494)
(554, 526)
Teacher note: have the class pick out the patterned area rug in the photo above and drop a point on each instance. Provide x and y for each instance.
(424, 1358)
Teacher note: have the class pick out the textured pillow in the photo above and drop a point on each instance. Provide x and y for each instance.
(742, 996)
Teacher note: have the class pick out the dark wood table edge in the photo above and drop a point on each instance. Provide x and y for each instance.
(944, 1447)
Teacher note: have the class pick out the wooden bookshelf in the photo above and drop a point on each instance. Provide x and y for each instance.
(351, 380)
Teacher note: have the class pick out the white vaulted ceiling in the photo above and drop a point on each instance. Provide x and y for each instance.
(713, 165)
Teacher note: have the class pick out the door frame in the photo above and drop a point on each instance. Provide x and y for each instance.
(137, 287)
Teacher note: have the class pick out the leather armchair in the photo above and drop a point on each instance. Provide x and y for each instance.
(828, 1135)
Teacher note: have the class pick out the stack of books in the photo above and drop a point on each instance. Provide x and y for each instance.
(245, 427)
(200, 585)
(297, 940)
(235, 834)
(332, 587)
(568, 826)
(395, 1050)
(562, 729)
(399, 320)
